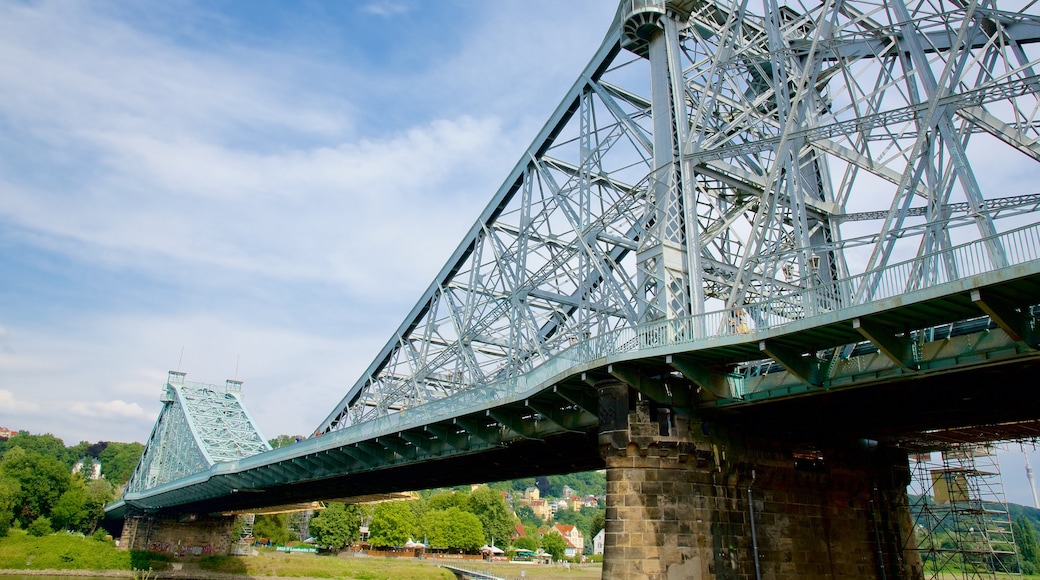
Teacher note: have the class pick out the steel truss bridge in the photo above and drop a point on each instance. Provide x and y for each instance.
(803, 218)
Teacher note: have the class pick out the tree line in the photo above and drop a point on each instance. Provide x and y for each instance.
(39, 492)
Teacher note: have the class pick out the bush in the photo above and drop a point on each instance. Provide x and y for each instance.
(40, 527)
(100, 535)
(145, 560)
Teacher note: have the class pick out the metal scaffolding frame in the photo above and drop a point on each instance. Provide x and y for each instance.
(963, 526)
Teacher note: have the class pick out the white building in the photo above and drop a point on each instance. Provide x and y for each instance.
(597, 542)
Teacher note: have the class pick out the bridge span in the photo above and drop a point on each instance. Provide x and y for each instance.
(758, 254)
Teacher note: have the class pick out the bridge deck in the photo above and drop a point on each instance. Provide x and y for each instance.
(549, 426)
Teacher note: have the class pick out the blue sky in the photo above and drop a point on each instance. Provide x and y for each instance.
(255, 189)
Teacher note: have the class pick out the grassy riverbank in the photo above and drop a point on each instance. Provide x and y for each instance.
(66, 554)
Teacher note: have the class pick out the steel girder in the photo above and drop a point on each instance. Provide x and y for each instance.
(198, 426)
(715, 155)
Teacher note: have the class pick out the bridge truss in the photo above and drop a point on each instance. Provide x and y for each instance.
(754, 159)
(198, 426)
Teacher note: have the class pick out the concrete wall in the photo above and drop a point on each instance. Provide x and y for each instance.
(681, 505)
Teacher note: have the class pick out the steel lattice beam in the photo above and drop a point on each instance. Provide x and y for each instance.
(726, 155)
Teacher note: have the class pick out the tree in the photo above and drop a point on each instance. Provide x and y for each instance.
(393, 523)
(274, 527)
(10, 491)
(528, 517)
(526, 543)
(490, 507)
(1025, 537)
(41, 479)
(71, 511)
(118, 461)
(47, 445)
(283, 440)
(453, 529)
(447, 499)
(336, 526)
(553, 543)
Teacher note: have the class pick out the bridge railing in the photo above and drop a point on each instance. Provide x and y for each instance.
(971, 259)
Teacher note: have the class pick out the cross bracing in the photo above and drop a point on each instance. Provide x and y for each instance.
(199, 425)
(713, 157)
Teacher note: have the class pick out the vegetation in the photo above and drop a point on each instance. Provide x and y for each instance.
(553, 543)
(336, 526)
(60, 552)
(274, 527)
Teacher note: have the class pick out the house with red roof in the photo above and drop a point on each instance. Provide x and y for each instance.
(574, 538)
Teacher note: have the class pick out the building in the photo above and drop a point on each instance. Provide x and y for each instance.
(89, 467)
(597, 542)
(6, 433)
(574, 538)
(541, 509)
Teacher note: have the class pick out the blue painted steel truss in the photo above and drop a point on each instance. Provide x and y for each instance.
(199, 425)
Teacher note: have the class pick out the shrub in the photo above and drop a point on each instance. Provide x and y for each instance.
(40, 527)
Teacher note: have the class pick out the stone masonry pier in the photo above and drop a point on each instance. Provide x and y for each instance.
(685, 500)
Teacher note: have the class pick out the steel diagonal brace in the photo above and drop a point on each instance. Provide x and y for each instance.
(1007, 316)
(394, 445)
(477, 429)
(898, 349)
(578, 397)
(653, 388)
(511, 421)
(805, 369)
(713, 382)
(446, 436)
(376, 450)
(566, 420)
(420, 443)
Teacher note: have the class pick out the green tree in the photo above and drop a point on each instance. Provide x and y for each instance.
(274, 527)
(336, 526)
(526, 543)
(283, 440)
(1025, 537)
(99, 494)
(10, 492)
(453, 529)
(528, 517)
(447, 499)
(41, 479)
(393, 523)
(47, 445)
(118, 461)
(599, 521)
(491, 508)
(553, 543)
(71, 511)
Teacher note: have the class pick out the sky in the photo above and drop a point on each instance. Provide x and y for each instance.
(253, 190)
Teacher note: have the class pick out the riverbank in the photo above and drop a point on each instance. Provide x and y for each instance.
(64, 555)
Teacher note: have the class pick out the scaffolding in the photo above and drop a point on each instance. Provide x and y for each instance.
(962, 523)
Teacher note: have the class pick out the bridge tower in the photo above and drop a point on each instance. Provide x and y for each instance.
(199, 426)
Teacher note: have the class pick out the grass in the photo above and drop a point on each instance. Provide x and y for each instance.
(20, 551)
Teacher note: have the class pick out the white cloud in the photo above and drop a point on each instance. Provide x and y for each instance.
(110, 410)
(9, 404)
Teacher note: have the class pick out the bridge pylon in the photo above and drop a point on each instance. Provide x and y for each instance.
(199, 425)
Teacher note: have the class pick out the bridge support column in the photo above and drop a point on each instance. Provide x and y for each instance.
(190, 534)
(685, 501)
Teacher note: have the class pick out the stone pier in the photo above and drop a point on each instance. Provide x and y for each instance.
(685, 500)
(184, 534)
